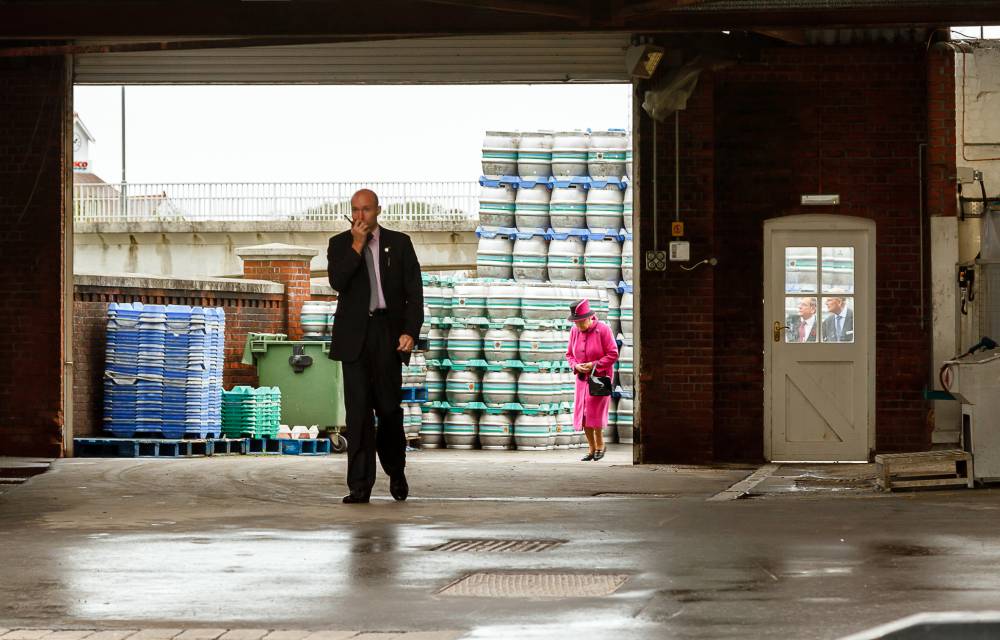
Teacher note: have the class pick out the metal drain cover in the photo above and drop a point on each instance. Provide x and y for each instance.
(535, 585)
(498, 546)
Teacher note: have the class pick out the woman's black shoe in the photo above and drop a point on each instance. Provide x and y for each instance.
(598, 454)
(588, 457)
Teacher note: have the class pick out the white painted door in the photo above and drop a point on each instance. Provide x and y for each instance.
(819, 326)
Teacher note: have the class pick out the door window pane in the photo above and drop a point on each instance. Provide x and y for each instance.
(800, 270)
(801, 319)
(837, 313)
(838, 270)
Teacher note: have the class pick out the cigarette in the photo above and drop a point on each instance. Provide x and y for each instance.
(348, 218)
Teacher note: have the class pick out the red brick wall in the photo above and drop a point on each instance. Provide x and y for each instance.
(941, 127)
(294, 274)
(261, 313)
(32, 99)
(844, 120)
(677, 383)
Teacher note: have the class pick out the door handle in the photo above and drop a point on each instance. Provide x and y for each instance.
(778, 328)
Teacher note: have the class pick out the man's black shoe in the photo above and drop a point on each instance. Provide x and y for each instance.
(399, 488)
(353, 499)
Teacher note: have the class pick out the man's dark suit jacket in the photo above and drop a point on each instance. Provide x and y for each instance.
(794, 323)
(830, 328)
(401, 287)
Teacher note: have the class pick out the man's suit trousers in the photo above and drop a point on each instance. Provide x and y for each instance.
(372, 383)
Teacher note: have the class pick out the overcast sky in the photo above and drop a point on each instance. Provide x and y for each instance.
(326, 133)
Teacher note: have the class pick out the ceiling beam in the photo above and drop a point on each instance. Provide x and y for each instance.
(157, 19)
(796, 37)
(651, 7)
(516, 6)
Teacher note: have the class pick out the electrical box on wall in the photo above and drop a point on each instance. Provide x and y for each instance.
(680, 251)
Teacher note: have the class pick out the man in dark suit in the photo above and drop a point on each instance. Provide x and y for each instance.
(838, 326)
(380, 307)
(802, 327)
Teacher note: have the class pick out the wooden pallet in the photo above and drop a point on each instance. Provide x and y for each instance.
(951, 467)
(139, 448)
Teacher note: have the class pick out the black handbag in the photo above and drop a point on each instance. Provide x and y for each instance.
(599, 385)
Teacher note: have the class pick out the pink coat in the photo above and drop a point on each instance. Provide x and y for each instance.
(596, 345)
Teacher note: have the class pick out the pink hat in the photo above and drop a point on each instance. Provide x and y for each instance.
(580, 310)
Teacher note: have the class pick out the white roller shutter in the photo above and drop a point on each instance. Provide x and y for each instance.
(462, 60)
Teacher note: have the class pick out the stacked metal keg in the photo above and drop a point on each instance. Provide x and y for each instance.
(551, 232)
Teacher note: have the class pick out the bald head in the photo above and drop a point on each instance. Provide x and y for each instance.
(364, 206)
(367, 194)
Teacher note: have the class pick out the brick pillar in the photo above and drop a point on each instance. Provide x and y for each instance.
(676, 306)
(287, 265)
(941, 128)
(33, 94)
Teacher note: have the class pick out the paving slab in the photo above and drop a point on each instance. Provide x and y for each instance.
(74, 634)
(244, 634)
(287, 634)
(156, 634)
(26, 634)
(113, 634)
(201, 634)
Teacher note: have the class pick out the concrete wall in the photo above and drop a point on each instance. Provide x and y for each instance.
(204, 249)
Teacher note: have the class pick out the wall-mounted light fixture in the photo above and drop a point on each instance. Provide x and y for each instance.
(641, 60)
(821, 200)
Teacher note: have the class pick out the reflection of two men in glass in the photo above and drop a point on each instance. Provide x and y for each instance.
(837, 324)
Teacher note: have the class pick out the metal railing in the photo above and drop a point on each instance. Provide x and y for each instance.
(271, 201)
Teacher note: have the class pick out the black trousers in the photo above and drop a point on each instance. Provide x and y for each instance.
(373, 387)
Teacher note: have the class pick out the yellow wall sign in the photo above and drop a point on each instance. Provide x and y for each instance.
(677, 229)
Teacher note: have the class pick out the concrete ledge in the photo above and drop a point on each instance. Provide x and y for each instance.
(277, 251)
(146, 281)
(263, 226)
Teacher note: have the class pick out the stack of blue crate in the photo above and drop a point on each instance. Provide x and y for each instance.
(164, 370)
(121, 368)
(149, 380)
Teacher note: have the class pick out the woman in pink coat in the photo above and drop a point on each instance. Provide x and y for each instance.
(591, 349)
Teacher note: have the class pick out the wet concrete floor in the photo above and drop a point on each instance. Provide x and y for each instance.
(264, 542)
